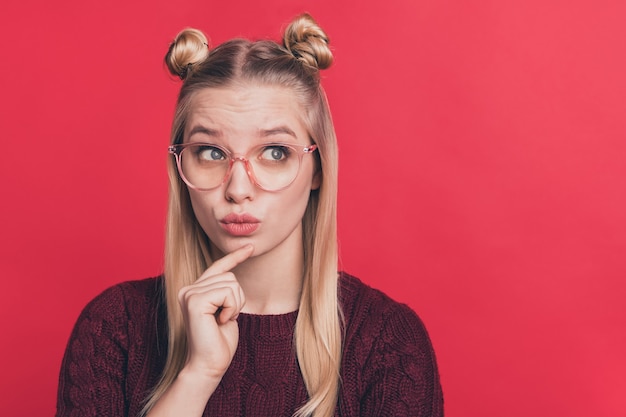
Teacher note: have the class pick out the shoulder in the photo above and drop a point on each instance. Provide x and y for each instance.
(370, 310)
(389, 365)
(121, 318)
(380, 332)
(112, 336)
(138, 291)
(121, 303)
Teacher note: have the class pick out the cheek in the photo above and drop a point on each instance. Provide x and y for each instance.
(310, 175)
(201, 207)
(296, 203)
(310, 178)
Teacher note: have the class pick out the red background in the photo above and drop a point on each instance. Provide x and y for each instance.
(482, 179)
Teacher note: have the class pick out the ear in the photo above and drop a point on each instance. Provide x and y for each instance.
(317, 179)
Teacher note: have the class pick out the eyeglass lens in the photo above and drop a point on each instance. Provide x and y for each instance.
(273, 166)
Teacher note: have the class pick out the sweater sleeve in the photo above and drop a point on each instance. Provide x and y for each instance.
(92, 377)
(401, 377)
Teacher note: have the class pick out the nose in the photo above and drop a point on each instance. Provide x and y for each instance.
(239, 184)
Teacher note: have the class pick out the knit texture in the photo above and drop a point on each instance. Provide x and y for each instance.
(118, 347)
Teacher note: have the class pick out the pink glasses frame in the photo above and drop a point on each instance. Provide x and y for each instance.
(177, 149)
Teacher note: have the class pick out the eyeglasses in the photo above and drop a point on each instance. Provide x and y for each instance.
(270, 166)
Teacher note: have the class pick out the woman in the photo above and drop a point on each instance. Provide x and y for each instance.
(251, 316)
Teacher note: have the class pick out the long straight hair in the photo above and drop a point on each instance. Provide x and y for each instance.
(317, 333)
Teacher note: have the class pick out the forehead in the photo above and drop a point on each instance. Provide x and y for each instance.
(245, 110)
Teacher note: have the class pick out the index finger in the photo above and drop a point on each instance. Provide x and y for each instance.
(230, 260)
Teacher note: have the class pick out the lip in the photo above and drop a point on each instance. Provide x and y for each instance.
(239, 224)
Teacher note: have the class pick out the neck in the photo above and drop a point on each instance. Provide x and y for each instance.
(272, 281)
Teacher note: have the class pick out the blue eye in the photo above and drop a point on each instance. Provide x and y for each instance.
(275, 153)
(210, 153)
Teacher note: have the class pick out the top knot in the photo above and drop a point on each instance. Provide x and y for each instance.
(306, 41)
(189, 48)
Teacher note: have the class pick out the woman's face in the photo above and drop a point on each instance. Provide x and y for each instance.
(238, 212)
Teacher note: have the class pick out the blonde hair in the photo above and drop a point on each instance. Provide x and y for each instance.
(294, 65)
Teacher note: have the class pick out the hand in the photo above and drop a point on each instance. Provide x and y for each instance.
(210, 309)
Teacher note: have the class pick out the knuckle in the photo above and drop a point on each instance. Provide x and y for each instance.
(182, 295)
(185, 294)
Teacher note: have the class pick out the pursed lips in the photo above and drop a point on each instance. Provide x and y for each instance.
(239, 224)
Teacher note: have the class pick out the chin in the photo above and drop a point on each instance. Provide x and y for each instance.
(222, 248)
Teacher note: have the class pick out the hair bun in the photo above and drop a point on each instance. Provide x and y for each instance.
(308, 42)
(189, 48)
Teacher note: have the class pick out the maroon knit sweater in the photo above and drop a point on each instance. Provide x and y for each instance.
(118, 347)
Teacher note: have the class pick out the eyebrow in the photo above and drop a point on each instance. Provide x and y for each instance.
(204, 130)
(279, 130)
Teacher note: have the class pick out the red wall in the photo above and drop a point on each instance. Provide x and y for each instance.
(482, 180)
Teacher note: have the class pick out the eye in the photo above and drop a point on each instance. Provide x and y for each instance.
(275, 153)
(209, 153)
